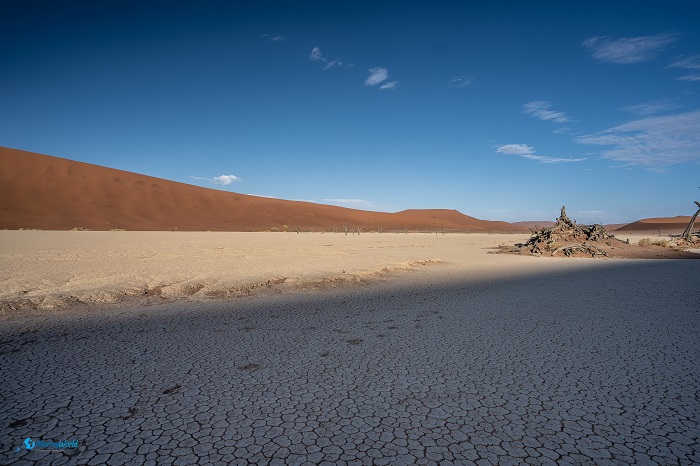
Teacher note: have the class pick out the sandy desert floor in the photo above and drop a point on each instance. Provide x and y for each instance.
(52, 270)
(59, 270)
(478, 357)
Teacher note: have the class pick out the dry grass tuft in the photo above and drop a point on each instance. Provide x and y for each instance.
(664, 243)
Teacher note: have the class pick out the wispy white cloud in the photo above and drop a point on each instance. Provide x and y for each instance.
(376, 75)
(226, 179)
(350, 203)
(317, 56)
(527, 152)
(515, 149)
(688, 62)
(353, 203)
(461, 81)
(540, 109)
(652, 107)
(273, 37)
(626, 50)
(389, 85)
(331, 63)
(222, 179)
(652, 142)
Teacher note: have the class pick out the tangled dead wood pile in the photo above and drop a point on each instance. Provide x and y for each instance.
(566, 237)
(691, 241)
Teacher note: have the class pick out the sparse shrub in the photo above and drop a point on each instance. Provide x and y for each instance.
(274, 229)
(659, 242)
(80, 229)
(117, 229)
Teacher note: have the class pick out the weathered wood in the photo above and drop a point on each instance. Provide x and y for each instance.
(571, 249)
(686, 234)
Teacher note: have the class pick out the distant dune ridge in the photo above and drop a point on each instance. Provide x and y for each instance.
(665, 225)
(52, 193)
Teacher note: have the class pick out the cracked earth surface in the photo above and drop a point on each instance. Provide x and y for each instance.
(596, 365)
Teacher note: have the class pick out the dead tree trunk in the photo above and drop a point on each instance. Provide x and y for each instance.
(688, 231)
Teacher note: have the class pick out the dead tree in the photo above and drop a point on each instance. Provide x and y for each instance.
(689, 230)
(565, 236)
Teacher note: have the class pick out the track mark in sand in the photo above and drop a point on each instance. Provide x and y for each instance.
(249, 367)
(132, 412)
(18, 423)
(172, 389)
(189, 290)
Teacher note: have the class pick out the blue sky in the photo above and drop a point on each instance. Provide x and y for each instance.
(501, 110)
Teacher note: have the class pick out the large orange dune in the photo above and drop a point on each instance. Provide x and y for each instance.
(52, 193)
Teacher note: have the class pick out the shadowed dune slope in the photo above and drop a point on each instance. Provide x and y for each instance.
(52, 193)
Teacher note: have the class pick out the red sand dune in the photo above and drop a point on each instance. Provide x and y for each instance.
(614, 226)
(51, 193)
(663, 224)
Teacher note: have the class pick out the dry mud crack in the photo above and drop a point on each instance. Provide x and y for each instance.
(429, 369)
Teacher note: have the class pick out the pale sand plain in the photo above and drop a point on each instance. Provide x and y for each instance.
(478, 359)
(57, 270)
(52, 269)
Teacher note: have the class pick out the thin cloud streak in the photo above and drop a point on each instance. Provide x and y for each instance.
(539, 109)
(389, 85)
(515, 149)
(627, 50)
(691, 62)
(652, 107)
(274, 37)
(223, 180)
(362, 204)
(652, 142)
(527, 152)
(688, 62)
(461, 81)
